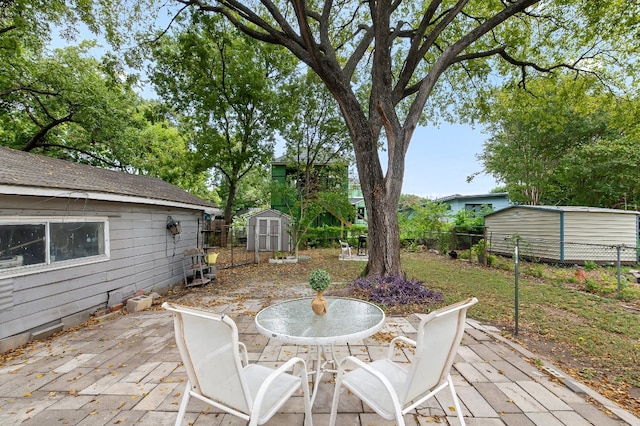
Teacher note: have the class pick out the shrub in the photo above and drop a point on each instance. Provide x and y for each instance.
(593, 286)
(590, 265)
(394, 291)
(630, 293)
(319, 280)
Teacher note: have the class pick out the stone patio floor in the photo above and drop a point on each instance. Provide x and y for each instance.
(125, 369)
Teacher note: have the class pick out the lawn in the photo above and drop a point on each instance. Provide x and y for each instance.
(593, 338)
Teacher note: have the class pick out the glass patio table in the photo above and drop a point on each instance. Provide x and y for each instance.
(293, 321)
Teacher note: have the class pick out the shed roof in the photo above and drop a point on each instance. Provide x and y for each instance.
(562, 209)
(271, 211)
(23, 173)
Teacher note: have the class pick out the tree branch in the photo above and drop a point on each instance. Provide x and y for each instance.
(27, 89)
(33, 142)
(81, 151)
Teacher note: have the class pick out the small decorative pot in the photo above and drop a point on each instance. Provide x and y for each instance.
(319, 304)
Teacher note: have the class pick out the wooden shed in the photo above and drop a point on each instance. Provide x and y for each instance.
(565, 234)
(76, 239)
(268, 230)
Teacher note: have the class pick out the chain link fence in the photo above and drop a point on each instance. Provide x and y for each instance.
(563, 252)
(229, 243)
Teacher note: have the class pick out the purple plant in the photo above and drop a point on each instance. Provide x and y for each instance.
(394, 291)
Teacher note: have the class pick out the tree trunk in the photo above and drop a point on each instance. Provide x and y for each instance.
(233, 187)
(381, 195)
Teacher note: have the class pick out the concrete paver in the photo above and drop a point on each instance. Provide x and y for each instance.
(126, 369)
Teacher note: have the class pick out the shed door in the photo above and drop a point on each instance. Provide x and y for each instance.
(268, 233)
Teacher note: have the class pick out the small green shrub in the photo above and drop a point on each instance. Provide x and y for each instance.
(536, 271)
(593, 286)
(319, 280)
(590, 265)
(629, 294)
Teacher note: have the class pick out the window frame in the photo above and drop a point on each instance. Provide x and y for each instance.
(48, 265)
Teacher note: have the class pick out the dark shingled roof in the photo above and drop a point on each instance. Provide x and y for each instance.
(20, 168)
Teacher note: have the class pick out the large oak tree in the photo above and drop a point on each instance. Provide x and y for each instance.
(387, 62)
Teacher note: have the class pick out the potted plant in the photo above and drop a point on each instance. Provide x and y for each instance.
(319, 280)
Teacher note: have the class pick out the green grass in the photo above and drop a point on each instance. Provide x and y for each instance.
(596, 337)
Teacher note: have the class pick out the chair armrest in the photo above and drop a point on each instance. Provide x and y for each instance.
(289, 365)
(243, 352)
(392, 344)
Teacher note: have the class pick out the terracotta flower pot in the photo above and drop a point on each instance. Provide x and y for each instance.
(319, 304)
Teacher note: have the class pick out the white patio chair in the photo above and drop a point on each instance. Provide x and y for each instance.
(345, 249)
(210, 351)
(393, 390)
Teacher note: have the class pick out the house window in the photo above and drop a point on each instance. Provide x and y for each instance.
(477, 208)
(37, 241)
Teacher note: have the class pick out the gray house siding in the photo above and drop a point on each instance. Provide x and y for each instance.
(565, 234)
(143, 256)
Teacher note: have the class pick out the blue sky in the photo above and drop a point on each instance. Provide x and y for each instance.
(440, 159)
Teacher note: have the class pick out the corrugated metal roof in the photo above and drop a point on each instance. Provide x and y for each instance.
(560, 209)
(26, 171)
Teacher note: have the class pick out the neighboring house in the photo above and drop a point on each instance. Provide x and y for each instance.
(357, 201)
(564, 234)
(326, 176)
(268, 230)
(75, 239)
(474, 203)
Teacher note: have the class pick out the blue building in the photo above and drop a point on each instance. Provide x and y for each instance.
(474, 203)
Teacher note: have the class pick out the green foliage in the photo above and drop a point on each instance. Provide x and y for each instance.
(328, 236)
(316, 139)
(229, 89)
(564, 141)
(536, 271)
(593, 286)
(590, 265)
(479, 247)
(69, 105)
(422, 220)
(629, 294)
(309, 203)
(469, 221)
(319, 280)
